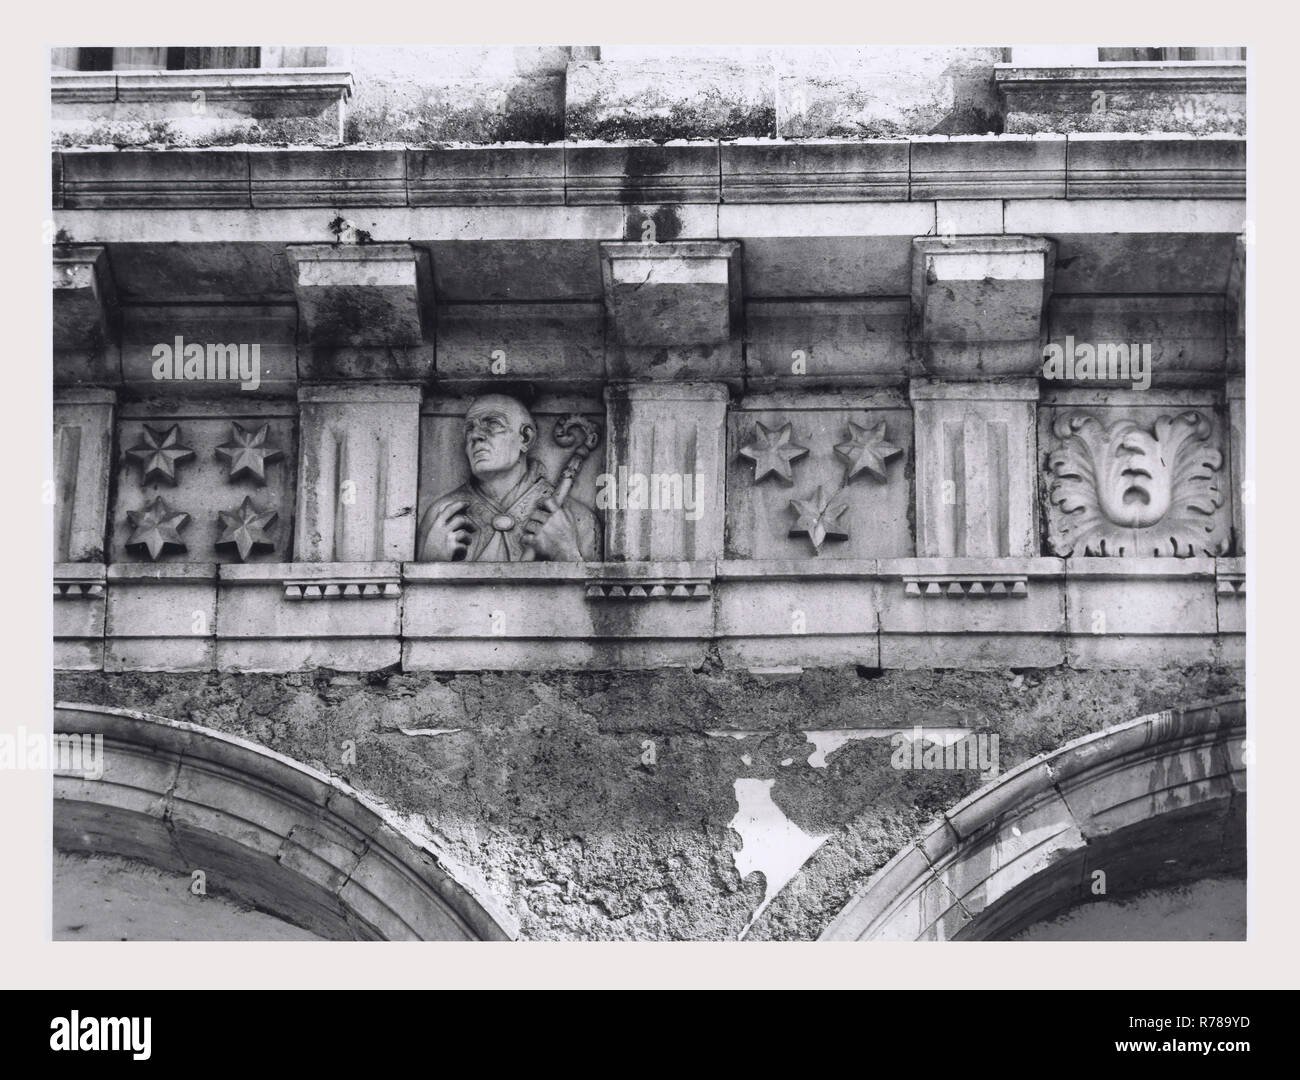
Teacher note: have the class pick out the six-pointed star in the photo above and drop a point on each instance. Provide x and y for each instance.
(772, 452)
(159, 453)
(867, 450)
(818, 517)
(156, 526)
(247, 451)
(245, 527)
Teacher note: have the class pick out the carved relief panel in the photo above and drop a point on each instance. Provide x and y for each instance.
(491, 530)
(200, 484)
(819, 475)
(1136, 480)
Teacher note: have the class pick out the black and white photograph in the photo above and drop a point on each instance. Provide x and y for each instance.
(727, 495)
(592, 492)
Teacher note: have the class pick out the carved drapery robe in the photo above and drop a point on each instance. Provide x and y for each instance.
(498, 535)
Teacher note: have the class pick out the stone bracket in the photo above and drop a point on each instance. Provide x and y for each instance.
(364, 310)
(978, 304)
(673, 310)
(87, 319)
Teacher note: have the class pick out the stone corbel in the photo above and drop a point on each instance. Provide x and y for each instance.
(86, 320)
(978, 304)
(365, 311)
(673, 310)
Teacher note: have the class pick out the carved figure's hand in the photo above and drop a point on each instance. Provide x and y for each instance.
(552, 532)
(449, 534)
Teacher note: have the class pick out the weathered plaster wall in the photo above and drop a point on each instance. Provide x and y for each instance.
(462, 93)
(420, 95)
(543, 784)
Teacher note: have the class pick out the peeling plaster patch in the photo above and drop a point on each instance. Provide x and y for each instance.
(429, 730)
(827, 742)
(770, 842)
(737, 735)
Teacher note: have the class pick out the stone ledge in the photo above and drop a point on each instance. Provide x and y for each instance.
(602, 174)
(162, 573)
(260, 617)
(342, 178)
(1192, 73)
(815, 171)
(285, 105)
(490, 176)
(1178, 96)
(1084, 567)
(796, 569)
(988, 167)
(325, 84)
(490, 573)
(146, 179)
(924, 168)
(1112, 166)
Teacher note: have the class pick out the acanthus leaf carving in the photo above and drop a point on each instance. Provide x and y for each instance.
(1126, 490)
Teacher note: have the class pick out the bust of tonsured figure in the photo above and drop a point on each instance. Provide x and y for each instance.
(508, 504)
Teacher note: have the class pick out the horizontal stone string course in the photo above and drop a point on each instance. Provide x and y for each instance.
(917, 169)
(1018, 612)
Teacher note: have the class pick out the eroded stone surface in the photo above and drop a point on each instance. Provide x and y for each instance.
(545, 792)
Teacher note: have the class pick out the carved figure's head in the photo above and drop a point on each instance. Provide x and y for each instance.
(499, 433)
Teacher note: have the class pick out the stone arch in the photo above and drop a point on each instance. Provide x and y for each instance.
(1152, 801)
(267, 830)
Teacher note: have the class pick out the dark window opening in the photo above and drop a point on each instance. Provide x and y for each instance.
(160, 58)
(1149, 53)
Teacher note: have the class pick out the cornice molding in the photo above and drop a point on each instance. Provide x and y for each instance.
(766, 172)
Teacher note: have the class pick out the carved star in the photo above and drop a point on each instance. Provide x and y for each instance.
(247, 451)
(818, 518)
(772, 452)
(245, 527)
(156, 526)
(159, 453)
(867, 450)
